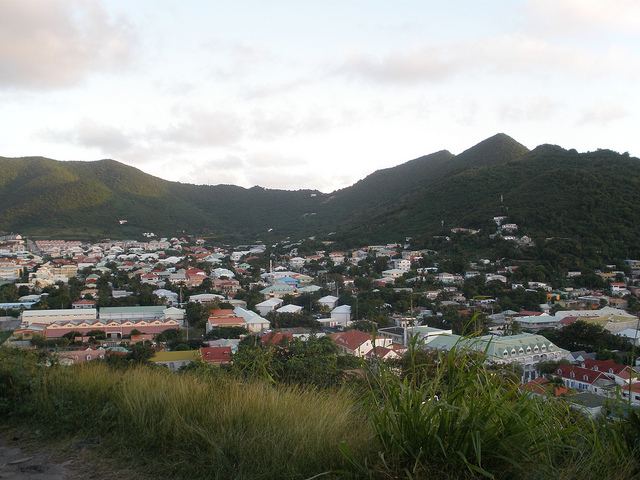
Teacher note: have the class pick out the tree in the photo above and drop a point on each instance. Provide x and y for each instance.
(140, 354)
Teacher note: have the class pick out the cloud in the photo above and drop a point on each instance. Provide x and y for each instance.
(588, 17)
(602, 113)
(509, 54)
(57, 43)
(275, 124)
(537, 109)
(432, 63)
(91, 134)
(241, 60)
(269, 90)
(200, 127)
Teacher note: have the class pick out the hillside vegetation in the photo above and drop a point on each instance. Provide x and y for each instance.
(548, 192)
(454, 418)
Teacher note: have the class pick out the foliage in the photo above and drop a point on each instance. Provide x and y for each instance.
(184, 426)
(451, 416)
(226, 332)
(579, 208)
(311, 362)
(583, 335)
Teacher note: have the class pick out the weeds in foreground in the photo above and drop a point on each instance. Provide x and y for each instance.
(461, 420)
(465, 420)
(184, 426)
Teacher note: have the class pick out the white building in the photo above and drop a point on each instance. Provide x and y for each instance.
(341, 315)
(49, 316)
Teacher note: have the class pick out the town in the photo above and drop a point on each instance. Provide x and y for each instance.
(177, 302)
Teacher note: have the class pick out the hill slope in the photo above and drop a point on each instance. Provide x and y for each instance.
(548, 191)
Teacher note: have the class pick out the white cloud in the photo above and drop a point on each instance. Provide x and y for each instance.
(585, 17)
(91, 134)
(537, 109)
(602, 113)
(509, 54)
(57, 43)
(201, 127)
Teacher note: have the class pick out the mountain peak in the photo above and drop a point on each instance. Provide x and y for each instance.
(500, 148)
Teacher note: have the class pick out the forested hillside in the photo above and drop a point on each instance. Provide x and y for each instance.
(549, 192)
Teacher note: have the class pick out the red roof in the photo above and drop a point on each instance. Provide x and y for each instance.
(216, 354)
(273, 338)
(222, 312)
(606, 366)
(351, 339)
(578, 373)
(227, 321)
(541, 386)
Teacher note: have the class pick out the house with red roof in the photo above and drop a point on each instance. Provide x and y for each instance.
(354, 342)
(621, 374)
(216, 355)
(633, 390)
(584, 379)
(224, 318)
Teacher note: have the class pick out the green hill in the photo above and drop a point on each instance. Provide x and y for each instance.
(548, 192)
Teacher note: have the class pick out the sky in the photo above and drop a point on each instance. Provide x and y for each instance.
(296, 94)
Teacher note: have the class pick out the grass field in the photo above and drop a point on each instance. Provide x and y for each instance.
(465, 421)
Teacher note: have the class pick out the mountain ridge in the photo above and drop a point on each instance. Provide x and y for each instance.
(40, 196)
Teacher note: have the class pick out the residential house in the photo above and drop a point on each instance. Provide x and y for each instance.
(255, 323)
(329, 302)
(341, 315)
(216, 355)
(224, 318)
(525, 349)
(279, 291)
(268, 305)
(83, 304)
(289, 309)
(354, 342)
(80, 356)
(174, 360)
(584, 379)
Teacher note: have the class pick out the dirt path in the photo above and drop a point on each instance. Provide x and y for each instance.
(18, 463)
(26, 455)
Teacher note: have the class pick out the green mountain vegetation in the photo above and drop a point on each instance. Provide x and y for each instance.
(589, 198)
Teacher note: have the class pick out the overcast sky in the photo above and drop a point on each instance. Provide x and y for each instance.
(311, 94)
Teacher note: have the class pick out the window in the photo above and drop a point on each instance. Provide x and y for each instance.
(505, 354)
(528, 349)
(585, 378)
(572, 375)
(521, 351)
(513, 352)
(536, 349)
(559, 372)
(544, 348)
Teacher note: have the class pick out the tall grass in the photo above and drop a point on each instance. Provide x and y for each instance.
(194, 427)
(460, 419)
(468, 420)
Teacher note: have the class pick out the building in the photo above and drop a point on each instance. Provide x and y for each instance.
(354, 342)
(224, 318)
(142, 313)
(62, 315)
(525, 349)
(341, 315)
(268, 305)
(255, 323)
